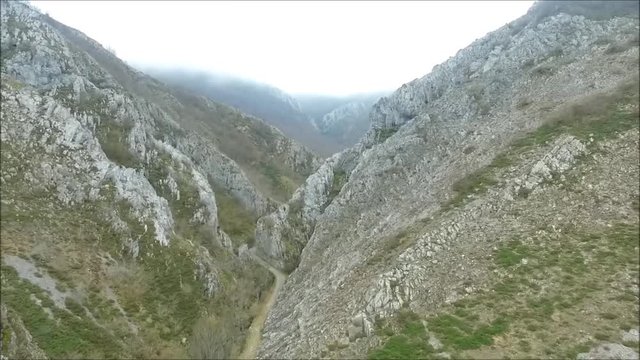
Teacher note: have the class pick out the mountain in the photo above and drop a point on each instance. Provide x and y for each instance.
(127, 205)
(490, 211)
(264, 101)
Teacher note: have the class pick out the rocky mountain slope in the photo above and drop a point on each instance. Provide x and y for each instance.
(490, 211)
(126, 204)
(266, 102)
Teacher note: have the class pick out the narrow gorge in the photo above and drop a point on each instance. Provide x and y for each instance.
(490, 210)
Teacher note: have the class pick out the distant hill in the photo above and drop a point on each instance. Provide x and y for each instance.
(301, 118)
(344, 119)
(266, 102)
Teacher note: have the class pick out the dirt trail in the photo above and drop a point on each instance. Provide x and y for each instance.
(254, 335)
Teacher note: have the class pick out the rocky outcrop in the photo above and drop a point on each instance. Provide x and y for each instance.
(493, 61)
(559, 159)
(337, 116)
(347, 123)
(360, 327)
(609, 351)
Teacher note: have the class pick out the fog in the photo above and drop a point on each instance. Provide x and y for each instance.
(333, 48)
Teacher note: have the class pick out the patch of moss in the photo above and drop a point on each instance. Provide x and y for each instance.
(511, 255)
(74, 306)
(339, 179)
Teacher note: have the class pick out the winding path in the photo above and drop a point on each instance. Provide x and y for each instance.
(254, 335)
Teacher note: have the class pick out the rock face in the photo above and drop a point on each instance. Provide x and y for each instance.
(281, 235)
(632, 336)
(112, 186)
(344, 119)
(394, 233)
(360, 327)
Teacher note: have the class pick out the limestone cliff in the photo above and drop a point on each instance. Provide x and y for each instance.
(347, 122)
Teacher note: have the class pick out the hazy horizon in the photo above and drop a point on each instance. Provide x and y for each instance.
(303, 48)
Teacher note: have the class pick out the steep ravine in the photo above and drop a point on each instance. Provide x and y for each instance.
(490, 211)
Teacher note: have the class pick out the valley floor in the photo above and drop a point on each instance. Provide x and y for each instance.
(254, 334)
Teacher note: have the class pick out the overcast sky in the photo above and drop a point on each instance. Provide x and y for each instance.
(331, 47)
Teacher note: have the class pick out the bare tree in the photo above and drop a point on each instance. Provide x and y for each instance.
(111, 50)
(212, 338)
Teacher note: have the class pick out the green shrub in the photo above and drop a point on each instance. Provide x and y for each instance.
(402, 347)
(235, 220)
(381, 135)
(410, 343)
(113, 140)
(74, 307)
(461, 335)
